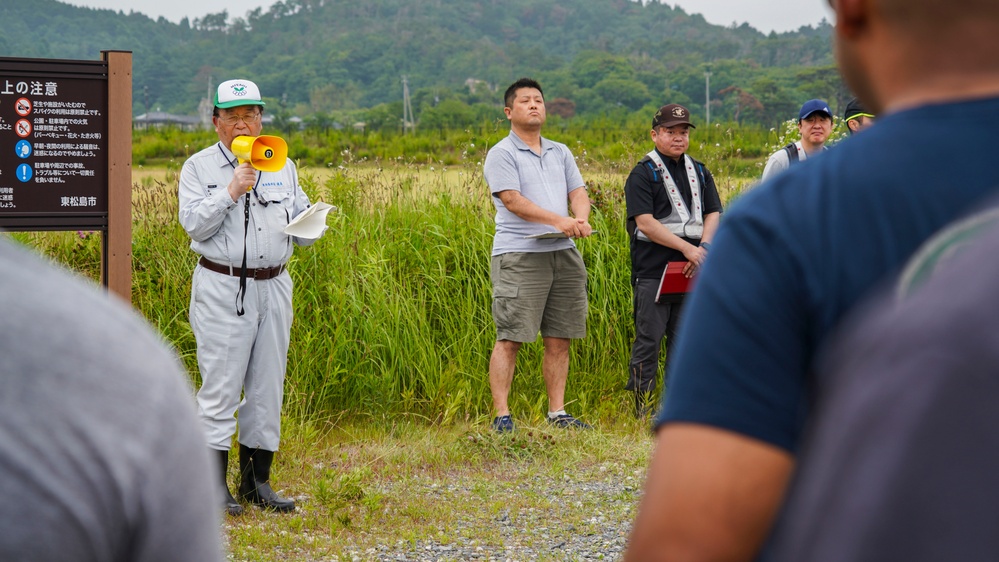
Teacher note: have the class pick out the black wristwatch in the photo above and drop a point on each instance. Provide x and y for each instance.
(705, 245)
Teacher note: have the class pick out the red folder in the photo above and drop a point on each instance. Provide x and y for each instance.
(674, 286)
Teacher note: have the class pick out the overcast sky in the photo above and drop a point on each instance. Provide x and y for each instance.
(765, 15)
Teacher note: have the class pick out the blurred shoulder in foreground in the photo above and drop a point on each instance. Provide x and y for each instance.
(901, 462)
(101, 455)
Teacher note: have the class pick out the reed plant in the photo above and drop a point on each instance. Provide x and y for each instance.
(385, 445)
(392, 305)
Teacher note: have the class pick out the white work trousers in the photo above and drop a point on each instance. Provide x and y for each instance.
(241, 354)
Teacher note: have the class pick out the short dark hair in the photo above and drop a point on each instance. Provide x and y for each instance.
(215, 110)
(511, 92)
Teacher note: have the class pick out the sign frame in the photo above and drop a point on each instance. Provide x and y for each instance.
(115, 225)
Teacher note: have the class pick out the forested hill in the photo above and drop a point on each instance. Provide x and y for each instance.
(325, 56)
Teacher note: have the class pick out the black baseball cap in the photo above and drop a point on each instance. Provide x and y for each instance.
(854, 110)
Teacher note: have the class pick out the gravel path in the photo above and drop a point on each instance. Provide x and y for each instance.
(582, 521)
(463, 495)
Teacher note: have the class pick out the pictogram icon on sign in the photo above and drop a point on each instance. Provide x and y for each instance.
(22, 128)
(24, 173)
(23, 149)
(22, 106)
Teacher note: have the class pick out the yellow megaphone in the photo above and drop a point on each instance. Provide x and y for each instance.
(266, 153)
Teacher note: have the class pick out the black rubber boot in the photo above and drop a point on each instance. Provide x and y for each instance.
(255, 468)
(232, 506)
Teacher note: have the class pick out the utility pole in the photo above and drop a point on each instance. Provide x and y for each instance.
(206, 108)
(408, 123)
(707, 95)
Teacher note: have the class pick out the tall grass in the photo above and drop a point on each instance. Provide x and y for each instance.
(392, 305)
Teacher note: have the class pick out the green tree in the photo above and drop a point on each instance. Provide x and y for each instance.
(631, 94)
(591, 67)
(448, 114)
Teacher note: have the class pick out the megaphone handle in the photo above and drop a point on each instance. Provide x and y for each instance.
(256, 172)
(242, 171)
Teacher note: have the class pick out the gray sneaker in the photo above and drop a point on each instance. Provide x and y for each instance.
(567, 421)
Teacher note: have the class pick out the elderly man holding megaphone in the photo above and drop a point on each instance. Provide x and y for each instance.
(236, 199)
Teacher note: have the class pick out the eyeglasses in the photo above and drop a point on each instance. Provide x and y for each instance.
(249, 119)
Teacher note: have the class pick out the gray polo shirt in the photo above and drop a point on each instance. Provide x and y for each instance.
(545, 180)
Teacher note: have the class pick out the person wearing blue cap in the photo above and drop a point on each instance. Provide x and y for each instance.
(815, 126)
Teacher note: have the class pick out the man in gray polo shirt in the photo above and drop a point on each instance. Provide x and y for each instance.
(539, 284)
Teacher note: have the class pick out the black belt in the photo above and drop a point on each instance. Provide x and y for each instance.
(259, 273)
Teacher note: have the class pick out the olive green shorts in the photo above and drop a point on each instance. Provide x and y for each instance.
(539, 291)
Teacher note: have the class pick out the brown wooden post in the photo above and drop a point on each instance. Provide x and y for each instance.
(118, 267)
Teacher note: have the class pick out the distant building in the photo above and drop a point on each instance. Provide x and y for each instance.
(158, 119)
(474, 85)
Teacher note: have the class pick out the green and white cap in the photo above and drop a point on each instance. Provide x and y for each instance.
(233, 93)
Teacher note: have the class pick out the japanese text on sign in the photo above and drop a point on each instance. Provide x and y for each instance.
(53, 155)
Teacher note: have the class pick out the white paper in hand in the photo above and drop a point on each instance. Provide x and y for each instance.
(550, 236)
(546, 236)
(311, 224)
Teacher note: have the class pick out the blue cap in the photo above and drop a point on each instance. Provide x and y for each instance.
(811, 106)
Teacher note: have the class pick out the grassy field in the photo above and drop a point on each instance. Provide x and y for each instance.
(386, 444)
(384, 488)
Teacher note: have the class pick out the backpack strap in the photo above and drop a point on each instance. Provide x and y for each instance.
(652, 167)
(630, 224)
(792, 153)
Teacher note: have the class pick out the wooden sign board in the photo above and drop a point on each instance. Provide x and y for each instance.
(66, 153)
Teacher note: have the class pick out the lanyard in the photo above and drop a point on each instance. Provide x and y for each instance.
(241, 293)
